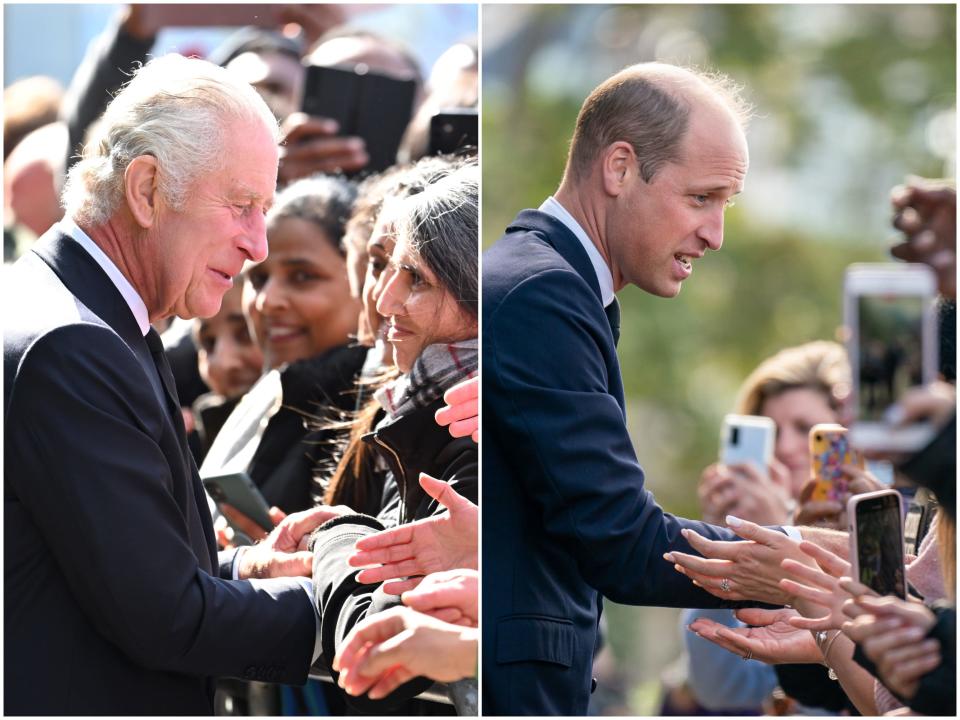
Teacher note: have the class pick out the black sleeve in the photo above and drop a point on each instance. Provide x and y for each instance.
(935, 467)
(937, 693)
(108, 64)
(343, 602)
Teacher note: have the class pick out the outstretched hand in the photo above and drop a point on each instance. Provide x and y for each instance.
(740, 570)
(891, 632)
(452, 595)
(462, 411)
(392, 647)
(773, 639)
(283, 553)
(442, 542)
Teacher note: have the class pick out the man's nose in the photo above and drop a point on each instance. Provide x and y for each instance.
(254, 241)
(711, 232)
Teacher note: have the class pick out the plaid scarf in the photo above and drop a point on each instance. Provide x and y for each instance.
(438, 368)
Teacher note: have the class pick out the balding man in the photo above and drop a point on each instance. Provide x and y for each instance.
(657, 154)
(115, 600)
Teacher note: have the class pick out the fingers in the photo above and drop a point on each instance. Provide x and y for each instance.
(383, 546)
(820, 623)
(300, 523)
(855, 589)
(812, 575)
(243, 523)
(399, 587)
(444, 494)
(463, 391)
(907, 653)
(907, 612)
(867, 625)
(715, 549)
(458, 410)
(699, 565)
(877, 644)
(757, 617)
(830, 562)
(911, 670)
(818, 597)
(757, 533)
(814, 511)
(463, 428)
(390, 682)
(391, 571)
(709, 630)
(370, 630)
(446, 614)
(437, 597)
(276, 515)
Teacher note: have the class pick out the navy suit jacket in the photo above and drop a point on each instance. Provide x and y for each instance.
(113, 604)
(567, 519)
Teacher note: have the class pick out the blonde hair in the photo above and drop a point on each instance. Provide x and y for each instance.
(820, 366)
(173, 109)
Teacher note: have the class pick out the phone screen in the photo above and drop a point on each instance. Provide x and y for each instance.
(890, 350)
(880, 545)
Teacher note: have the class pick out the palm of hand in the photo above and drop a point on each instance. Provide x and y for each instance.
(781, 642)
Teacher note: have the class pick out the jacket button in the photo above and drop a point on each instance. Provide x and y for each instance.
(593, 685)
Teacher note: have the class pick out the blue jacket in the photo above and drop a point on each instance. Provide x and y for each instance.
(566, 516)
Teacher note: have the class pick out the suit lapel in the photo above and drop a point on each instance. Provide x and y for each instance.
(87, 281)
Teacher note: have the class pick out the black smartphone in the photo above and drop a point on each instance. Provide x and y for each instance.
(365, 104)
(876, 541)
(238, 490)
(453, 129)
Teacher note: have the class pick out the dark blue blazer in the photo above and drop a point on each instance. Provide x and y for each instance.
(113, 604)
(566, 517)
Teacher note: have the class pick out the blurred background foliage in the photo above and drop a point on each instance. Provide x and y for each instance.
(849, 100)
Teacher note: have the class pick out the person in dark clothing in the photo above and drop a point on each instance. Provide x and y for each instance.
(429, 300)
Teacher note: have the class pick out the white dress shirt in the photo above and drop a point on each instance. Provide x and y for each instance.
(551, 206)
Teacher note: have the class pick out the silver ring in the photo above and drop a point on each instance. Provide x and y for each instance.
(748, 655)
(725, 585)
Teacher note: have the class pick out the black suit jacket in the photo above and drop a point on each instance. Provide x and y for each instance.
(112, 600)
(566, 516)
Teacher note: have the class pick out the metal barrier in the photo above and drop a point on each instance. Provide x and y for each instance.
(462, 694)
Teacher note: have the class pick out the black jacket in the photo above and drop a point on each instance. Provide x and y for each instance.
(411, 445)
(315, 391)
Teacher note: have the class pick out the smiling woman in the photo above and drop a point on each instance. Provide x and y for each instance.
(298, 299)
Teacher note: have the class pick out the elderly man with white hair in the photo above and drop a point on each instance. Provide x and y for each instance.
(116, 602)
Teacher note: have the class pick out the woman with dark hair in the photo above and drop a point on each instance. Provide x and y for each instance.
(428, 298)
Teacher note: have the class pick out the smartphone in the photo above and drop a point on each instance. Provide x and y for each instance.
(891, 329)
(747, 438)
(453, 129)
(829, 451)
(238, 490)
(876, 541)
(365, 104)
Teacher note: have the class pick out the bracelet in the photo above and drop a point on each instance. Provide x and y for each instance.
(826, 652)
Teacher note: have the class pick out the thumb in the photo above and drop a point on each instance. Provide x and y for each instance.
(441, 491)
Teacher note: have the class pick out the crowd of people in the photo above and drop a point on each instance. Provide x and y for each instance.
(338, 371)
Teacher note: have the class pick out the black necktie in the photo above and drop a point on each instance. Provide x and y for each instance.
(166, 375)
(613, 317)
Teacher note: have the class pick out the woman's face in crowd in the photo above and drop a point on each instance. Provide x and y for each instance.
(379, 250)
(795, 412)
(419, 311)
(298, 299)
(230, 361)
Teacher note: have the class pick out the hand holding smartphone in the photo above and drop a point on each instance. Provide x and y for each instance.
(829, 451)
(876, 542)
(890, 318)
(747, 439)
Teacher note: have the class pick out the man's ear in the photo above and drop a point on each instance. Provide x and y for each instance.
(618, 166)
(140, 189)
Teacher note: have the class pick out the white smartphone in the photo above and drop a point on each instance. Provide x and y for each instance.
(891, 329)
(747, 438)
(876, 541)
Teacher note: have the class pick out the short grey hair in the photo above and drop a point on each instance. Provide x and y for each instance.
(441, 225)
(647, 105)
(174, 109)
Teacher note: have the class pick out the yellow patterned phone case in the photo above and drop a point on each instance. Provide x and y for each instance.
(829, 451)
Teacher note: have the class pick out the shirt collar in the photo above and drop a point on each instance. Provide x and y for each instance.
(68, 227)
(551, 206)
